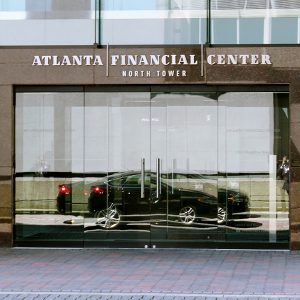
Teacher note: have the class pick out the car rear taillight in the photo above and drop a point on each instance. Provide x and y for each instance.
(64, 189)
(97, 189)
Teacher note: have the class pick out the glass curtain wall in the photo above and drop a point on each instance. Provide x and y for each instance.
(151, 168)
(254, 22)
(148, 22)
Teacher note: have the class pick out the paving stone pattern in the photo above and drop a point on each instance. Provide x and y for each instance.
(148, 274)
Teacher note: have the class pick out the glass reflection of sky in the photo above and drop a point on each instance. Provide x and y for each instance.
(129, 4)
(12, 5)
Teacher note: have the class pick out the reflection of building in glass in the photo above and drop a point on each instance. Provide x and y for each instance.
(243, 140)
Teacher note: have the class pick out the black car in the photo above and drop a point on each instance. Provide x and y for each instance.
(123, 197)
(118, 199)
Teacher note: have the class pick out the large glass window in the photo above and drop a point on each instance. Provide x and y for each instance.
(151, 167)
(153, 22)
(254, 22)
(49, 157)
(47, 22)
(284, 30)
(251, 30)
(224, 31)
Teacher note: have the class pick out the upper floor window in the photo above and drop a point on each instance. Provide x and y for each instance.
(149, 22)
(255, 22)
(47, 22)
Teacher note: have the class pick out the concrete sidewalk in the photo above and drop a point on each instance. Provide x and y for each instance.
(148, 274)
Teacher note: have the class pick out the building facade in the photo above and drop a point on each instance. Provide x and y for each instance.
(150, 123)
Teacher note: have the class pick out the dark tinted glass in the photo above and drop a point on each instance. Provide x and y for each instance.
(251, 31)
(284, 31)
(224, 31)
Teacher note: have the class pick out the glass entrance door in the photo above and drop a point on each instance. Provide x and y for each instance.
(184, 165)
(117, 152)
(155, 160)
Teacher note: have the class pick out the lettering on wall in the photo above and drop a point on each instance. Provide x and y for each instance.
(143, 65)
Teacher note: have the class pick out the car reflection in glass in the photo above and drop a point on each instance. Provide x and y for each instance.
(117, 199)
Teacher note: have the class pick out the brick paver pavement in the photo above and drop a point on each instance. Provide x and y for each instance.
(148, 274)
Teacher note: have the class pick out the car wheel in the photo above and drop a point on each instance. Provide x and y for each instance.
(108, 218)
(222, 215)
(187, 215)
